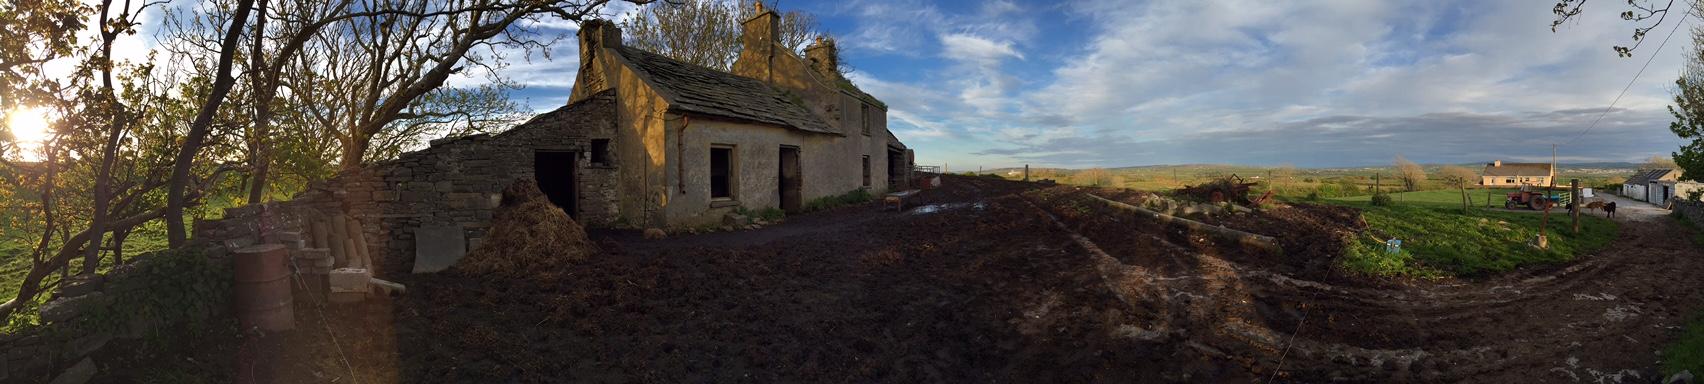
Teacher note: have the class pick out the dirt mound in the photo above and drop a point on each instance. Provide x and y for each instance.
(528, 235)
(1312, 236)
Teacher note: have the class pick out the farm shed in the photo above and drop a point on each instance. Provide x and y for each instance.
(1663, 190)
(1500, 174)
(1638, 187)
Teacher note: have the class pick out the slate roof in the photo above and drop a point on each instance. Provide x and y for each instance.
(1647, 175)
(696, 89)
(1518, 169)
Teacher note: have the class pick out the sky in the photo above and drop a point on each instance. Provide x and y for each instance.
(1099, 83)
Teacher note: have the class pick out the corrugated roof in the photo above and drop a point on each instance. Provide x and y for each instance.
(1647, 175)
(1518, 169)
(696, 89)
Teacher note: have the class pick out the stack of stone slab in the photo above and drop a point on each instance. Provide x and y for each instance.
(335, 261)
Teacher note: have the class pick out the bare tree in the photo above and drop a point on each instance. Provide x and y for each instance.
(707, 32)
(1410, 173)
(1658, 162)
(1646, 15)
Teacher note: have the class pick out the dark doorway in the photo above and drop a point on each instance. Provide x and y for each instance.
(896, 169)
(790, 180)
(555, 174)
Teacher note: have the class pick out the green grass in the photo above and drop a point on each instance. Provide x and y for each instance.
(1438, 240)
(1687, 352)
(855, 196)
(1440, 198)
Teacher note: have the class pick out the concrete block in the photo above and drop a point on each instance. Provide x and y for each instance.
(312, 253)
(350, 279)
(437, 247)
(287, 236)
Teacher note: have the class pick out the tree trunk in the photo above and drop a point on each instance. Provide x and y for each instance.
(260, 157)
(353, 151)
(61, 260)
(200, 127)
(1463, 198)
(109, 152)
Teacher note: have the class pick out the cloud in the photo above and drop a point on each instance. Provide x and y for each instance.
(1309, 82)
(961, 45)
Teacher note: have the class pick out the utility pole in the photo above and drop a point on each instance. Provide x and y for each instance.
(1026, 172)
(1552, 166)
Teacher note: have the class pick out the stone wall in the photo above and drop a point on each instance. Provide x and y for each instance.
(157, 293)
(1692, 210)
(455, 182)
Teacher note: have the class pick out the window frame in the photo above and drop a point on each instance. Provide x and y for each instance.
(731, 176)
(864, 115)
(596, 149)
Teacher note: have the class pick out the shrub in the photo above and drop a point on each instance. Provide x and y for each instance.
(1383, 200)
(1313, 196)
(856, 196)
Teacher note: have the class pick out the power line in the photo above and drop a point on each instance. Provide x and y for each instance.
(1659, 50)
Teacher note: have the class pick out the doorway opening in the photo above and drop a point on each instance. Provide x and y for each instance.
(555, 174)
(790, 180)
(896, 169)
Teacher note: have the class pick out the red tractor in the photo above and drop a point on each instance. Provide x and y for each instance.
(1535, 200)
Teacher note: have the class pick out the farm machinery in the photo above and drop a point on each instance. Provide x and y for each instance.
(1532, 198)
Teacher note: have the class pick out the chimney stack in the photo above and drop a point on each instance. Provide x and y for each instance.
(1496, 163)
(594, 36)
(824, 57)
(758, 38)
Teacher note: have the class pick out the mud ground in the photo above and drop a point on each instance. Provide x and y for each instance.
(995, 281)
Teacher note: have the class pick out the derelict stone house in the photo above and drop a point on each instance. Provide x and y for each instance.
(690, 144)
(644, 141)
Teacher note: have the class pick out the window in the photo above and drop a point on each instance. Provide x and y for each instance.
(722, 172)
(600, 151)
(1510, 180)
(866, 170)
(864, 114)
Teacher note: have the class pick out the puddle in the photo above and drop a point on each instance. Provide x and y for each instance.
(935, 208)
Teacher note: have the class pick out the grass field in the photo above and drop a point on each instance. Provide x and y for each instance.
(1438, 240)
(1441, 197)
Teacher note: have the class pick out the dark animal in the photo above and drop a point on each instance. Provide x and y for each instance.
(1609, 209)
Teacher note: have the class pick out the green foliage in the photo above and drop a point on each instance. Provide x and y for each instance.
(855, 196)
(1439, 239)
(1688, 114)
(1382, 199)
(1368, 256)
(172, 286)
(1696, 229)
(1686, 353)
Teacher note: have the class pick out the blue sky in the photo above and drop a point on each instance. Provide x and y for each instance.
(1084, 83)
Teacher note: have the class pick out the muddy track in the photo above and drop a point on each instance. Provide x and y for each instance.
(1511, 326)
(996, 281)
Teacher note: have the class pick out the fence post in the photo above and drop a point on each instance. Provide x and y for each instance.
(1574, 201)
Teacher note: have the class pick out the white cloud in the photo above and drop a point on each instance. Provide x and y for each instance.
(1171, 72)
(962, 45)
